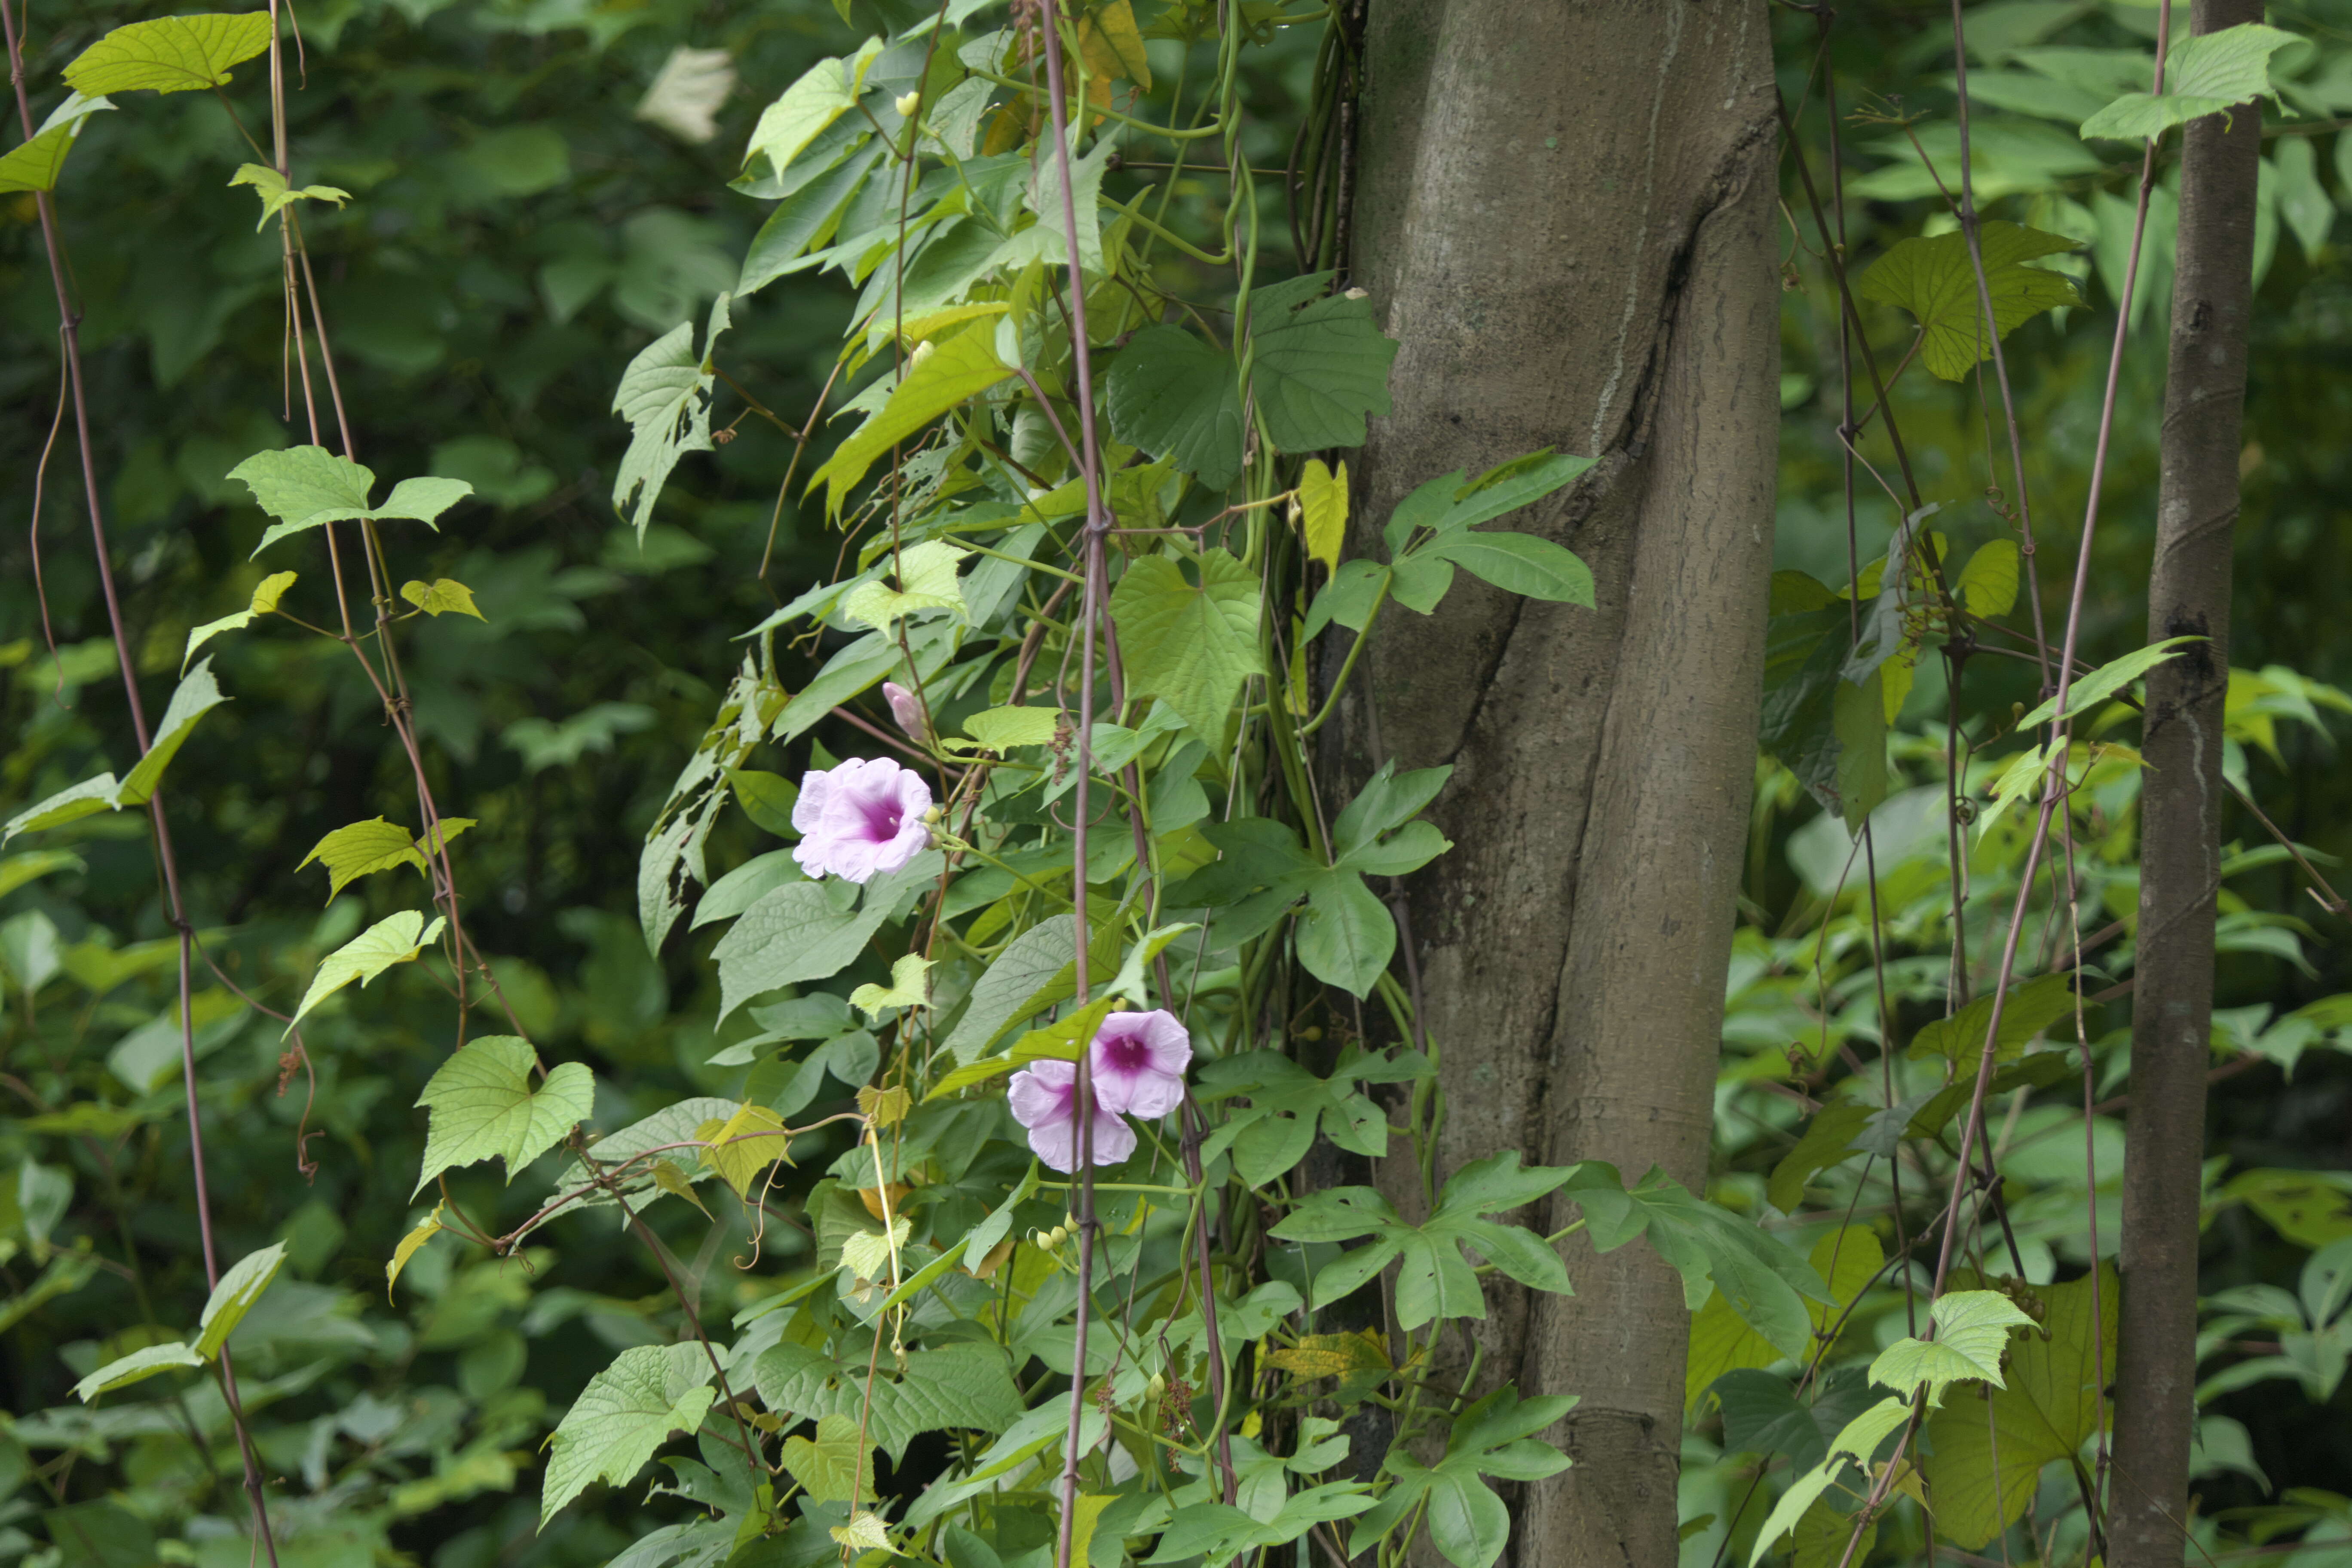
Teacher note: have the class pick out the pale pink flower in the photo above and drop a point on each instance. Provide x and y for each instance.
(1045, 1099)
(862, 819)
(907, 709)
(1138, 1060)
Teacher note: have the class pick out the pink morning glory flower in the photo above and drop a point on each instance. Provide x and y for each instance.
(1045, 1099)
(1138, 1061)
(907, 709)
(862, 819)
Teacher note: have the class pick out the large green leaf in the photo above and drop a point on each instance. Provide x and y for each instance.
(627, 1412)
(803, 931)
(2030, 1009)
(955, 1387)
(665, 397)
(170, 54)
(1175, 396)
(1935, 279)
(307, 486)
(1347, 935)
(396, 939)
(1986, 1448)
(1317, 371)
(233, 1297)
(2206, 74)
(482, 1104)
(1190, 645)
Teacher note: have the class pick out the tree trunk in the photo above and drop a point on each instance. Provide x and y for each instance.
(1564, 216)
(2180, 825)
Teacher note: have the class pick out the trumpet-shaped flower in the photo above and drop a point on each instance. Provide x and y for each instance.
(1138, 1061)
(1045, 1099)
(862, 819)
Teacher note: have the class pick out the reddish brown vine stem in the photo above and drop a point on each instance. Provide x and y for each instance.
(70, 339)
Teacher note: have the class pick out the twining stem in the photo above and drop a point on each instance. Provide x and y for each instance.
(1090, 619)
(69, 337)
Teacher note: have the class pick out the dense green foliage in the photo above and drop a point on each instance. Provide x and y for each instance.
(505, 241)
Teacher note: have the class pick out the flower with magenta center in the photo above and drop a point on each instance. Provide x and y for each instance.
(1138, 1061)
(861, 820)
(1045, 1099)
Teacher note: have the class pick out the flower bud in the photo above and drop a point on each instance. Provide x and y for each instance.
(907, 709)
(1156, 1387)
(907, 105)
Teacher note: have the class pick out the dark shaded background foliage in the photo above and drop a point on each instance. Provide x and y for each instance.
(516, 237)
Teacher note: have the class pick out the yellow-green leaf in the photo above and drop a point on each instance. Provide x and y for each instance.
(956, 369)
(196, 695)
(136, 1367)
(884, 1107)
(1113, 44)
(483, 1107)
(1323, 511)
(427, 1229)
(743, 1145)
(233, 1297)
(906, 987)
(170, 54)
(1988, 582)
(277, 194)
(864, 1533)
(441, 596)
(264, 600)
(1002, 729)
(837, 1466)
(926, 580)
(1935, 279)
(363, 849)
(34, 165)
(671, 1180)
(396, 939)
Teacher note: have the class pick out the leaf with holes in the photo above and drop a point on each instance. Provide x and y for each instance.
(483, 1105)
(1935, 279)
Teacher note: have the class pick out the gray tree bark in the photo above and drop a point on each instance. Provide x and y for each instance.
(2180, 825)
(1564, 216)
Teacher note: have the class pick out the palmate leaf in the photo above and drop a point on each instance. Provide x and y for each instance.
(483, 1106)
(396, 939)
(627, 1412)
(363, 849)
(1190, 645)
(665, 395)
(1936, 280)
(170, 54)
(1468, 1522)
(1435, 1281)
